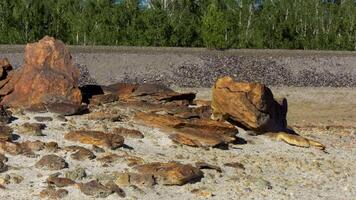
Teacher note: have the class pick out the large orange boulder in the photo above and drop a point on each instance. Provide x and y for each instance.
(250, 105)
(47, 77)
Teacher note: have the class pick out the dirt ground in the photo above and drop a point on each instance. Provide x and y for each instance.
(267, 169)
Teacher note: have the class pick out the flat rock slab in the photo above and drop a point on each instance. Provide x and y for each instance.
(97, 138)
(95, 189)
(51, 162)
(171, 173)
(194, 132)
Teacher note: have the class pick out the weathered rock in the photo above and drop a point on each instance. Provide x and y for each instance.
(128, 133)
(83, 154)
(48, 76)
(236, 165)
(15, 178)
(5, 115)
(43, 119)
(250, 105)
(11, 148)
(191, 132)
(65, 108)
(109, 158)
(122, 179)
(172, 173)
(295, 140)
(95, 189)
(33, 145)
(52, 146)
(116, 189)
(103, 99)
(98, 138)
(76, 174)
(52, 193)
(60, 182)
(3, 167)
(123, 90)
(105, 115)
(142, 180)
(32, 129)
(5, 67)
(204, 165)
(3, 158)
(5, 133)
(51, 162)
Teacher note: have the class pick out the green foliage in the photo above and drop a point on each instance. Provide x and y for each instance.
(289, 24)
(214, 28)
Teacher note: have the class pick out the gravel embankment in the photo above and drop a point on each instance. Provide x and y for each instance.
(200, 68)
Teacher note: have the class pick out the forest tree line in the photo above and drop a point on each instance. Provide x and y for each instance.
(284, 24)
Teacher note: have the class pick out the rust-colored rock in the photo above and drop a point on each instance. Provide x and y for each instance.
(172, 173)
(191, 132)
(128, 133)
(10, 148)
(48, 76)
(95, 189)
(5, 68)
(5, 133)
(250, 105)
(98, 138)
(60, 182)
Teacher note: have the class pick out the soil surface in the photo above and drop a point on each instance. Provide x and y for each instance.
(259, 169)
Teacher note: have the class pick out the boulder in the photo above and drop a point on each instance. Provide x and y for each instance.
(248, 105)
(47, 77)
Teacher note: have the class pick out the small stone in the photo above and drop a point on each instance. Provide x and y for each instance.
(204, 165)
(98, 149)
(122, 179)
(236, 165)
(32, 129)
(60, 182)
(128, 133)
(103, 99)
(51, 146)
(51, 162)
(51, 193)
(43, 119)
(83, 154)
(142, 180)
(98, 138)
(3, 167)
(76, 174)
(95, 189)
(5, 133)
(5, 115)
(109, 158)
(33, 145)
(15, 178)
(203, 193)
(115, 188)
(3, 158)
(171, 173)
(11, 148)
(263, 184)
(61, 118)
(102, 115)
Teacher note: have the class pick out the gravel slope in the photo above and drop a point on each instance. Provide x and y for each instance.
(200, 68)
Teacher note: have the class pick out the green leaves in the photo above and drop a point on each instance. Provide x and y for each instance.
(294, 24)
